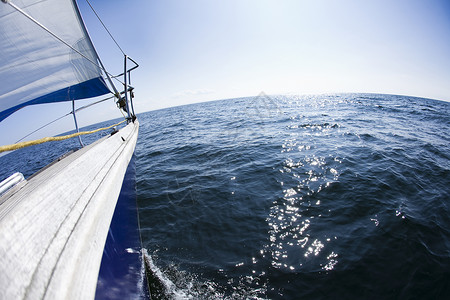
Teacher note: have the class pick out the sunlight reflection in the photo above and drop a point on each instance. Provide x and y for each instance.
(294, 217)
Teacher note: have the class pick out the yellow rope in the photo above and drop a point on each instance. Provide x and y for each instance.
(49, 139)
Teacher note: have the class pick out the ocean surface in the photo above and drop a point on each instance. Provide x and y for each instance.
(292, 197)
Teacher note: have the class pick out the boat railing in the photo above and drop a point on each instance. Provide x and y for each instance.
(126, 102)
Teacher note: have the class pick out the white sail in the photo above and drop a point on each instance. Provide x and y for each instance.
(35, 67)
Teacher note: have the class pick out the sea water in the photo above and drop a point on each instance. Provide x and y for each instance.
(315, 197)
(293, 197)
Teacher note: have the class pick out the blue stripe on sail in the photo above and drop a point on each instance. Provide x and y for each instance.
(87, 89)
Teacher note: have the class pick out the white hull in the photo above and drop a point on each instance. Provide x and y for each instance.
(53, 229)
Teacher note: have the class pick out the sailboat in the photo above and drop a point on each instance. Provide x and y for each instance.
(54, 225)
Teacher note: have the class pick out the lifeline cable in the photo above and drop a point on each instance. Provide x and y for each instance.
(77, 110)
(50, 139)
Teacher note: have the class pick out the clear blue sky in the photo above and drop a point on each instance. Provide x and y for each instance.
(199, 50)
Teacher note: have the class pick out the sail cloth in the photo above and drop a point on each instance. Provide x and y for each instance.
(37, 68)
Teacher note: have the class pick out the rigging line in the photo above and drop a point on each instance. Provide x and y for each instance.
(94, 103)
(50, 139)
(123, 114)
(104, 26)
(69, 113)
(57, 37)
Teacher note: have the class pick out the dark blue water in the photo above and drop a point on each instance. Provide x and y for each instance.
(340, 196)
(318, 197)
